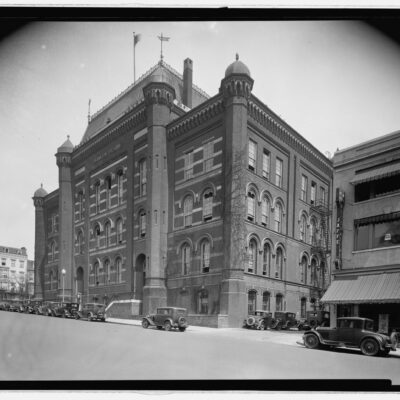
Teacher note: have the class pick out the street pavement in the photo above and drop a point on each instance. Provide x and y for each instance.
(45, 348)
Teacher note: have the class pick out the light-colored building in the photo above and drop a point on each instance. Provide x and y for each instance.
(366, 251)
(13, 269)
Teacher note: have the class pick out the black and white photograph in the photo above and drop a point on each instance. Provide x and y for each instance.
(198, 200)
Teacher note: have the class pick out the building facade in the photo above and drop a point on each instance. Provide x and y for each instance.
(174, 197)
(366, 253)
(13, 271)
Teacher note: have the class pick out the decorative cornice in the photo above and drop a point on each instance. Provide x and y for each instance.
(110, 132)
(265, 117)
(159, 93)
(196, 117)
(237, 85)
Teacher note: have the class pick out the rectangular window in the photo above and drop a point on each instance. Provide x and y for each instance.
(278, 172)
(189, 165)
(313, 192)
(208, 152)
(252, 155)
(304, 183)
(266, 164)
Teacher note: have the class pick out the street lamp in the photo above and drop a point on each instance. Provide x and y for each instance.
(63, 272)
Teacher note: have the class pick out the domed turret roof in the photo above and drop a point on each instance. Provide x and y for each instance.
(40, 192)
(66, 147)
(237, 67)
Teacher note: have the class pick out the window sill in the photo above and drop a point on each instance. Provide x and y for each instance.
(375, 249)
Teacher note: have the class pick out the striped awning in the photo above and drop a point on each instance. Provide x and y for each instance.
(376, 173)
(372, 288)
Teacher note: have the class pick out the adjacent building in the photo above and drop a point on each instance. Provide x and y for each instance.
(13, 270)
(177, 198)
(366, 253)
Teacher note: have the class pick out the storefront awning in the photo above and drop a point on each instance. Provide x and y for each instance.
(377, 173)
(373, 288)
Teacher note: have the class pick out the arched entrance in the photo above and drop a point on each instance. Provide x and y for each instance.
(79, 281)
(140, 269)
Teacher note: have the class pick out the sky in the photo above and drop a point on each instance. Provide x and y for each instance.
(336, 82)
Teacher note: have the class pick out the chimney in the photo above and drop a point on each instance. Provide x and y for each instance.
(187, 82)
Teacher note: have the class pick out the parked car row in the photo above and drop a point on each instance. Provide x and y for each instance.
(89, 311)
(262, 320)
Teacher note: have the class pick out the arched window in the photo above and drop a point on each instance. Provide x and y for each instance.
(91, 275)
(97, 196)
(303, 271)
(53, 250)
(187, 210)
(107, 231)
(113, 273)
(312, 239)
(278, 218)
(107, 272)
(267, 260)
(207, 205)
(314, 277)
(142, 177)
(97, 235)
(205, 255)
(96, 273)
(266, 301)
(119, 230)
(303, 311)
(51, 280)
(279, 263)
(303, 228)
(203, 302)
(80, 205)
(107, 182)
(265, 206)
(185, 258)
(120, 185)
(279, 302)
(142, 223)
(118, 268)
(252, 302)
(252, 257)
(80, 243)
(251, 205)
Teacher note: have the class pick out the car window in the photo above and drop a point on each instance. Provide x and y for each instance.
(369, 325)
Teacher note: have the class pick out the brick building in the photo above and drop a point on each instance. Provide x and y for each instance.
(366, 272)
(173, 197)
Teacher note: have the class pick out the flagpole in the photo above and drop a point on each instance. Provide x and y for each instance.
(134, 59)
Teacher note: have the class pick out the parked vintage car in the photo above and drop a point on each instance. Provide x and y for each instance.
(261, 320)
(65, 310)
(47, 308)
(286, 320)
(4, 306)
(15, 306)
(316, 318)
(92, 312)
(167, 318)
(351, 332)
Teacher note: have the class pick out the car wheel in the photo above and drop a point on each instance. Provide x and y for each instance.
(167, 325)
(251, 321)
(311, 341)
(182, 329)
(145, 324)
(369, 347)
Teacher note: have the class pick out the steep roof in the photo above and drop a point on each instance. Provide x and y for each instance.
(134, 94)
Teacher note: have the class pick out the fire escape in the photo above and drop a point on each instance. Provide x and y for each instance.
(322, 246)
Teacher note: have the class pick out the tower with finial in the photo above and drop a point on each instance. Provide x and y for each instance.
(40, 241)
(65, 207)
